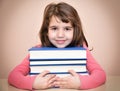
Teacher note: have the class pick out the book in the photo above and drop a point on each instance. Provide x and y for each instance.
(62, 74)
(48, 53)
(59, 68)
(54, 62)
(58, 60)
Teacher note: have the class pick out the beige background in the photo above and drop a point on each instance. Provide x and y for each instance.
(20, 21)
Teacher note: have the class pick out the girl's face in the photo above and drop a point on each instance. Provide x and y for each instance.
(60, 34)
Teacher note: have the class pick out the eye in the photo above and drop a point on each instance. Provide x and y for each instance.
(53, 28)
(68, 28)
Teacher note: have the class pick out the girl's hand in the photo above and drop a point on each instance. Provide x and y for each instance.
(44, 80)
(70, 82)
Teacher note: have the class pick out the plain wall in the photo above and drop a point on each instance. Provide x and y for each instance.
(20, 21)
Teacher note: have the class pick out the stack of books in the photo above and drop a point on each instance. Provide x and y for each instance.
(58, 60)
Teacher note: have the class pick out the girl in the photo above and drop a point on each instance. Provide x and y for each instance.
(61, 28)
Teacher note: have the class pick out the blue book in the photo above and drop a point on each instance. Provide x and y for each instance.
(50, 53)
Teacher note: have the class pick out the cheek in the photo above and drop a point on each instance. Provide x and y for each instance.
(50, 35)
(70, 35)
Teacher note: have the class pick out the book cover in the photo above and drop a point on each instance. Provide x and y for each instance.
(59, 68)
(54, 62)
(45, 53)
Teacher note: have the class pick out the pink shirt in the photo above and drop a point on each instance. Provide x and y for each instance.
(19, 77)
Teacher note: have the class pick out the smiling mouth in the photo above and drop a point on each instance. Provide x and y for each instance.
(60, 41)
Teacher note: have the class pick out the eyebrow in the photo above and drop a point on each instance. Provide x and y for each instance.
(68, 26)
(57, 26)
(52, 26)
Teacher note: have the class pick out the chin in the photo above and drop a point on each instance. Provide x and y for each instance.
(61, 46)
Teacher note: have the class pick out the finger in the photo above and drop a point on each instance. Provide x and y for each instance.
(51, 79)
(73, 73)
(60, 84)
(50, 85)
(63, 79)
(51, 82)
(44, 73)
(63, 86)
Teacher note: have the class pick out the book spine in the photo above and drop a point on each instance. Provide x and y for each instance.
(35, 63)
(58, 65)
(72, 53)
(58, 59)
(58, 68)
(53, 48)
(62, 74)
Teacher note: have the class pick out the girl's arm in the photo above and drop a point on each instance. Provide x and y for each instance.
(19, 77)
(97, 75)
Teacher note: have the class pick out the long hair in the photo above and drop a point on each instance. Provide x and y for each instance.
(66, 13)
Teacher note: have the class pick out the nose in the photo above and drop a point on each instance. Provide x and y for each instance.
(60, 33)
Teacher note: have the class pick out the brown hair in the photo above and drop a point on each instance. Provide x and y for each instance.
(66, 13)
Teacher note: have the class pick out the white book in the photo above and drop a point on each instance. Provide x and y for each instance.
(40, 62)
(58, 68)
(45, 53)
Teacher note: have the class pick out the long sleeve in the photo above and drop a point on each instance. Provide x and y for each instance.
(96, 75)
(19, 77)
